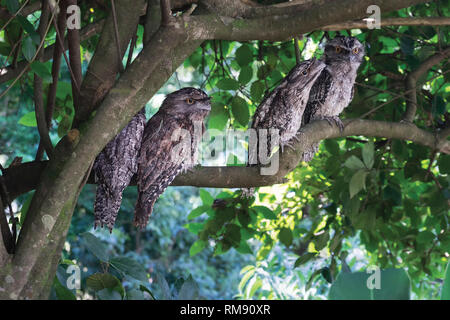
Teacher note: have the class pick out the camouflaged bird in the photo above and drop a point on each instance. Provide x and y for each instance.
(169, 146)
(333, 89)
(283, 108)
(114, 168)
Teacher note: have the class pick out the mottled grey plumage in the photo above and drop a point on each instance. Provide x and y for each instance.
(114, 168)
(333, 89)
(163, 154)
(283, 108)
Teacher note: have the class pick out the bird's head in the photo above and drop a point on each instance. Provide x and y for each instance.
(343, 48)
(187, 101)
(305, 73)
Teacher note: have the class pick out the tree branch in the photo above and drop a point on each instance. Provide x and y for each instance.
(166, 13)
(105, 64)
(290, 21)
(38, 97)
(73, 39)
(24, 177)
(426, 21)
(413, 77)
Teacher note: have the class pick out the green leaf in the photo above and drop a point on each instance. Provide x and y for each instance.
(25, 207)
(265, 212)
(244, 55)
(245, 75)
(425, 237)
(109, 294)
(407, 45)
(303, 259)
(12, 5)
(198, 212)
(206, 197)
(368, 151)
(232, 234)
(444, 164)
(244, 248)
(445, 295)
(62, 293)
(64, 90)
(227, 84)
(354, 163)
(357, 182)
(64, 125)
(240, 111)
(394, 285)
(42, 71)
(286, 236)
(189, 290)
(194, 227)
(27, 26)
(332, 146)
(256, 285)
(129, 267)
(162, 284)
(28, 48)
(28, 120)
(135, 294)
(257, 90)
(95, 246)
(197, 247)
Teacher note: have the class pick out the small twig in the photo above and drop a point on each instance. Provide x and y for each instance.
(413, 77)
(38, 97)
(132, 46)
(298, 54)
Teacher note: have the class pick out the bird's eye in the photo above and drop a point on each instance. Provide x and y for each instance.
(355, 50)
(338, 49)
(305, 72)
(190, 101)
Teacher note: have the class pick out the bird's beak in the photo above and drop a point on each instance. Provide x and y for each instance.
(205, 104)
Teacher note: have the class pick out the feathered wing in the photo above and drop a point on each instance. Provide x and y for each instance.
(114, 168)
(317, 97)
(157, 169)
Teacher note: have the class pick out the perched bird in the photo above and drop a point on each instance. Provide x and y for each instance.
(114, 168)
(169, 146)
(333, 89)
(283, 108)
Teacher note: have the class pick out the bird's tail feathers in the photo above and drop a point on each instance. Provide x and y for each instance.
(106, 208)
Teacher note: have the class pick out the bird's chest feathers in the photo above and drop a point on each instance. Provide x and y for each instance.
(340, 93)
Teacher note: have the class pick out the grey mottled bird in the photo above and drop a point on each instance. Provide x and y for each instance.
(169, 146)
(333, 89)
(114, 168)
(283, 108)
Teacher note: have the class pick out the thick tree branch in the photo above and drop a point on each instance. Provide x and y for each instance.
(290, 22)
(105, 64)
(166, 13)
(362, 24)
(38, 94)
(60, 27)
(73, 39)
(413, 77)
(24, 178)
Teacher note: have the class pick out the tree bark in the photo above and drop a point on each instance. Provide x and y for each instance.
(30, 272)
